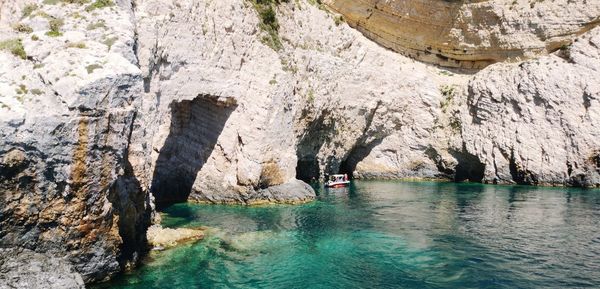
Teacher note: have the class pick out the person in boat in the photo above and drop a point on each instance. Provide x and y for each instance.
(345, 177)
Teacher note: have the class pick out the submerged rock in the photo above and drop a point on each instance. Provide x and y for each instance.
(159, 237)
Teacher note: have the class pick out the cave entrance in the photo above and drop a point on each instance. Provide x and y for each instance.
(469, 167)
(308, 170)
(356, 155)
(309, 145)
(195, 127)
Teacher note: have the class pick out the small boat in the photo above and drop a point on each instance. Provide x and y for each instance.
(337, 181)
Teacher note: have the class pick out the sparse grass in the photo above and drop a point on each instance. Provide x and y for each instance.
(34, 37)
(28, 9)
(448, 91)
(90, 68)
(455, 124)
(23, 28)
(54, 2)
(77, 15)
(446, 73)
(99, 24)
(99, 4)
(14, 46)
(55, 25)
(22, 89)
(286, 66)
(80, 45)
(109, 42)
(339, 19)
(36, 91)
(76, 1)
(311, 96)
(44, 15)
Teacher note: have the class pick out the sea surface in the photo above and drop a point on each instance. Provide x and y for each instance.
(384, 234)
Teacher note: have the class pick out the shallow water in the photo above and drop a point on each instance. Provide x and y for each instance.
(388, 235)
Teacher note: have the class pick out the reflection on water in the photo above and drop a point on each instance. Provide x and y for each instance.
(388, 235)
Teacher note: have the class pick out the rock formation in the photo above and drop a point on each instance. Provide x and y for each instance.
(161, 238)
(42, 271)
(67, 112)
(470, 33)
(107, 106)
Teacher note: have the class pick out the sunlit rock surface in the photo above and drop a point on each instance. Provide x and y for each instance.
(473, 33)
(160, 238)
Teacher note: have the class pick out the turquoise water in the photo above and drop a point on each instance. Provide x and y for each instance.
(388, 235)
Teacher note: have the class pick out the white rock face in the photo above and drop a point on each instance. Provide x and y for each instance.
(538, 122)
(328, 95)
(218, 127)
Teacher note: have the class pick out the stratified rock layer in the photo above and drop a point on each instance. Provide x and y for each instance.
(470, 34)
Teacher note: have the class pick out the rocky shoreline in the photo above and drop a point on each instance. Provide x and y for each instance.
(110, 108)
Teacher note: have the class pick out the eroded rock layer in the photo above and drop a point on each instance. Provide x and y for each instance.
(473, 33)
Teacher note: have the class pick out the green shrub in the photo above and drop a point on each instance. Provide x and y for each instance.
(90, 68)
(14, 46)
(99, 4)
(22, 89)
(55, 25)
(455, 124)
(268, 22)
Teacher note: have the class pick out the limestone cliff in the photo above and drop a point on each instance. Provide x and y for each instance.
(67, 105)
(107, 106)
(470, 33)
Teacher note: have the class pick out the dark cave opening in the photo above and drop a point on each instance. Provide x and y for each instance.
(355, 156)
(195, 127)
(308, 170)
(469, 167)
(317, 134)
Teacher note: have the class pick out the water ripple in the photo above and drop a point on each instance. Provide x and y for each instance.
(389, 235)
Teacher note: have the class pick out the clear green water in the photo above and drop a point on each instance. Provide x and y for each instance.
(388, 235)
